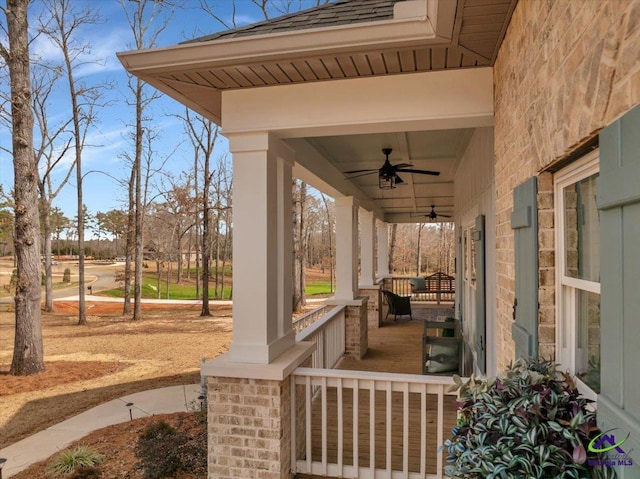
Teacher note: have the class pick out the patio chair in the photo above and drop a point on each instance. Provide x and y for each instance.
(441, 354)
(398, 305)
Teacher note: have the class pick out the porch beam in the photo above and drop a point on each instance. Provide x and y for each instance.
(420, 101)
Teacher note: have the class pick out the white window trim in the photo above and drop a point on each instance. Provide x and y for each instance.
(565, 335)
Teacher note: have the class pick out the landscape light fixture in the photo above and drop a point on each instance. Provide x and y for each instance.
(129, 405)
(201, 398)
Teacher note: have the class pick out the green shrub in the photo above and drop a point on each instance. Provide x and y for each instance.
(66, 276)
(530, 422)
(71, 460)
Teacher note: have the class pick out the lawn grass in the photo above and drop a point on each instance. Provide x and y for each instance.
(317, 287)
(176, 291)
(188, 291)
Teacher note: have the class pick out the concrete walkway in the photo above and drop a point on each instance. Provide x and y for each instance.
(42, 445)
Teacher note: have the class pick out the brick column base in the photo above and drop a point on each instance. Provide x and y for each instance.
(374, 317)
(356, 330)
(249, 416)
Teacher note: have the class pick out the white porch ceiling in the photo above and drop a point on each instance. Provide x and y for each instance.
(438, 150)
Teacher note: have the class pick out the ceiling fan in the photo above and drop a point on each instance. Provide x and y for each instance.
(388, 174)
(432, 215)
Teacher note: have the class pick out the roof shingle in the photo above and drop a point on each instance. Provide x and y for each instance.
(338, 12)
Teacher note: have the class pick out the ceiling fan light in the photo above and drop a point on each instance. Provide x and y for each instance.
(386, 182)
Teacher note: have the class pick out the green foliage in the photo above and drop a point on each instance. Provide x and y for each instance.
(14, 278)
(66, 276)
(71, 460)
(528, 422)
(164, 451)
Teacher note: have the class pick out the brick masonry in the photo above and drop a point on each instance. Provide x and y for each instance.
(356, 330)
(565, 70)
(249, 428)
(373, 306)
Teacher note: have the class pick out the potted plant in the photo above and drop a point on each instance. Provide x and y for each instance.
(529, 422)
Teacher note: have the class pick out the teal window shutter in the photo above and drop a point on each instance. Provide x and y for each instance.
(618, 198)
(481, 309)
(524, 222)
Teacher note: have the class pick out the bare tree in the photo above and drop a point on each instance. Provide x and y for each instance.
(392, 247)
(62, 29)
(54, 144)
(147, 19)
(28, 351)
(299, 244)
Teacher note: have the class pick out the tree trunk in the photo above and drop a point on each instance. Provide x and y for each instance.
(137, 166)
(28, 352)
(392, 246)
(205, 239)
(130, 241)
(45, 210)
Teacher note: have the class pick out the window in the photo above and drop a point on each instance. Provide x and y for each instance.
(578, 272)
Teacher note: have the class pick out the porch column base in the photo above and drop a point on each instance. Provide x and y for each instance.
(356, 326)
(249, 415)
(374, 315)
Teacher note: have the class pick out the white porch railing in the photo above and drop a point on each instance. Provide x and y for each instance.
(309, 318)
(355, 424)
(329, 335)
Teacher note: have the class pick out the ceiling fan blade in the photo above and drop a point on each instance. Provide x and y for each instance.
(398, 180)
(422, 172)
(443, 216)
(402, 165)
(361, 174)
(360, 171)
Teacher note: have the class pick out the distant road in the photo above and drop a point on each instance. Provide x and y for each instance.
(100, 276)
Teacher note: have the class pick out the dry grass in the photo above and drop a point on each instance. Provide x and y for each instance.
(108, 358)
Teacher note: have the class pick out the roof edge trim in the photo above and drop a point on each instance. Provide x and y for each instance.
(353, 37)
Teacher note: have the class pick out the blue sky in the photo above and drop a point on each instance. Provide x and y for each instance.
(107, 140)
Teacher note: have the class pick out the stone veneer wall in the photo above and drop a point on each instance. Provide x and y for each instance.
(565, 70)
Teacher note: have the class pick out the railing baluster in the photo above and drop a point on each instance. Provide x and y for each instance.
(294, 422)
(356, 415)
(405, 430)
(423, 430)
(372, 428)
(397, 460)
(339, 399)
(307, 393)
(324, 425)
(389, 421)
(440, 429)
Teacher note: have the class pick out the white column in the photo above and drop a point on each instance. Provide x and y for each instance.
(367, 248)
(262, 248)
(383, 249)
(346, 249)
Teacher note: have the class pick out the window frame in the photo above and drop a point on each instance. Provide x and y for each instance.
(566, 286)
